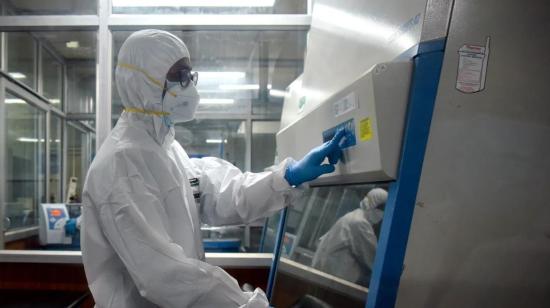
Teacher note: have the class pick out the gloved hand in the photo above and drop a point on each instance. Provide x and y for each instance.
(257, 299)
(70, 227)
(309, 168)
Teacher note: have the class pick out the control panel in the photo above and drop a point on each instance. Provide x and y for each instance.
(372, 109)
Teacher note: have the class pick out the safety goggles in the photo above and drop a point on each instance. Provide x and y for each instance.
(185, 77)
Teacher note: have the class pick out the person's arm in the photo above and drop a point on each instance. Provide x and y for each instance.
(160, 268)
(229, 196)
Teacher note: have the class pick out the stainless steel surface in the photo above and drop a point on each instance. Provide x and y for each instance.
(316, 277)
(210, 22)
(436, 20)
(225, 260)
(291, 109)
(29, 94)
(239, 260)
(40, 7)
(348, 37)
(39, 81)
(103, 75)
(64, 161)
(480, 235)
(20, 23)
(248, 143)
(2, 158)
(41, 256)
(3, 52)
(36, 67)
(20, 233)
(47, 154)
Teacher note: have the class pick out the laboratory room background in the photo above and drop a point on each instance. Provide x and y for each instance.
(274, 153)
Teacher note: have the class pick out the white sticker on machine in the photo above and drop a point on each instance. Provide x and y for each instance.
(472, 67)
(345, 105)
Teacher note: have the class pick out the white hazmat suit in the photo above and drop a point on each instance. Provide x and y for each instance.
(141, 238)
(347, 250)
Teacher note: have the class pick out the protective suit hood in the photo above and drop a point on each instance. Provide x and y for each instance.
(371, 204)
(143, 61)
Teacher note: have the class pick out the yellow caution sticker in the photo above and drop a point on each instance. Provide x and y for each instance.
(365, 130)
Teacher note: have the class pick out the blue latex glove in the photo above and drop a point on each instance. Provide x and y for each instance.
(70, 227)
(310, 167)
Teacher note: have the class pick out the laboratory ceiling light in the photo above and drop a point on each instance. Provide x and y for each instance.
(239, 86)
(217, 101)
(222, 75)
(193, 3)
(55, 100)
(17, 75)
(25, 139)
(278, 93)
(216, 141)
(14, 101)
(72, 44)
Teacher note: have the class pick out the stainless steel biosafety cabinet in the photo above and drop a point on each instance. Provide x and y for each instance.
(448, 105)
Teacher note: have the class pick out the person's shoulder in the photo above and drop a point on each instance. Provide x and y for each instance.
(109, 164)
(355, 216)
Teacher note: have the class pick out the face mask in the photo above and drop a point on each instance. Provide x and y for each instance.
(183, 104)
(374, 216)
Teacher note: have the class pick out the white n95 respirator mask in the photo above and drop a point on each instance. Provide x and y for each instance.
(181, 103)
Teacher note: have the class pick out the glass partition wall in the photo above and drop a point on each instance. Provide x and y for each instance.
(62, 57)
(25, 150)
(46, 88)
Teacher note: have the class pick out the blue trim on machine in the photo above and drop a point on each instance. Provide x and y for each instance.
(422, 48)
(431, 46)
(427, 58)
(276, 254)
(394, 234)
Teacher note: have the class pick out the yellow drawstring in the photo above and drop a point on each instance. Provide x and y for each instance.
(151, 78)
(149, 112)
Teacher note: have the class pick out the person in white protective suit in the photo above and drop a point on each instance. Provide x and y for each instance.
(347, 250)
(141, 239)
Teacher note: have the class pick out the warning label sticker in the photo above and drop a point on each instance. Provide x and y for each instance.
(472, 67)
(365, 130)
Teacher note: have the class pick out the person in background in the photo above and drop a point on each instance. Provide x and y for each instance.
(347, 250)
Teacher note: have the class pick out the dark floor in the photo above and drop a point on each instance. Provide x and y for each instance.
(40, 299)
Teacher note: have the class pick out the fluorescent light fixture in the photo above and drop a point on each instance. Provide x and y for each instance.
(25, 139)
(14, 101)
(240, 86)
(72, 44)
(193, 3)
(222, 75)
(277, 93)
(217, 101)
(17, 75)
(217, 90)
(216, 141)
(54, 100)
